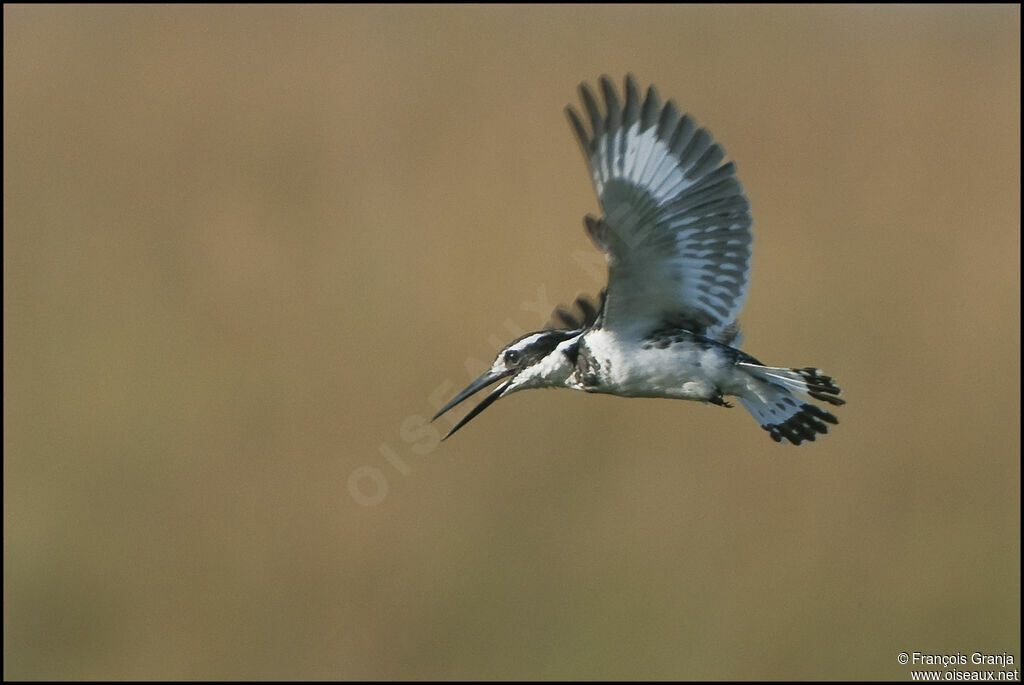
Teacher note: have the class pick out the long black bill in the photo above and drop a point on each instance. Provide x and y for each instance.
(480, 383)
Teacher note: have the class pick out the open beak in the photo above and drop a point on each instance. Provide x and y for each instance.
(482, 382)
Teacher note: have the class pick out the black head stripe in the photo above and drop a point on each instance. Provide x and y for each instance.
(542, 346)
(572, 352)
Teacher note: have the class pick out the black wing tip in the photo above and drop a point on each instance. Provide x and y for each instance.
(606, 85)
(579, 128)
(683, 127)
(616, 111)
(652, 110)
(581, 314)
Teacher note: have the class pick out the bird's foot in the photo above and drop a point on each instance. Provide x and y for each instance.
(719, 400)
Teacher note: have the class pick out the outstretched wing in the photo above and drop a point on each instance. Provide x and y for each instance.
(583, 313)
(677, 225)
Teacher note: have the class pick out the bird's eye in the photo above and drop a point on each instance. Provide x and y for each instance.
(511, 357)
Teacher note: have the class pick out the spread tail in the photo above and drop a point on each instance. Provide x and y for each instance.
(772, 401)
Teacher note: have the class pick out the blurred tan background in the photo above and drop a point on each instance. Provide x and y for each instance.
(249, 249)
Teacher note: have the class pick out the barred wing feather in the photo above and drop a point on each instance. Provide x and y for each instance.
(676, 228)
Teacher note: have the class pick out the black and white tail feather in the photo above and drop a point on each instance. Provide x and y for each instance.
(774, 404)
(676, 235)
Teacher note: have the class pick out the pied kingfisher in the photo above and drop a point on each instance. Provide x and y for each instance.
(676, 233)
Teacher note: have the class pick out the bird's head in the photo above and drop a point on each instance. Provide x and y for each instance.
(535, 360)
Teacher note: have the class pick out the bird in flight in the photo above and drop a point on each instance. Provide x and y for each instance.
(676, 234)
